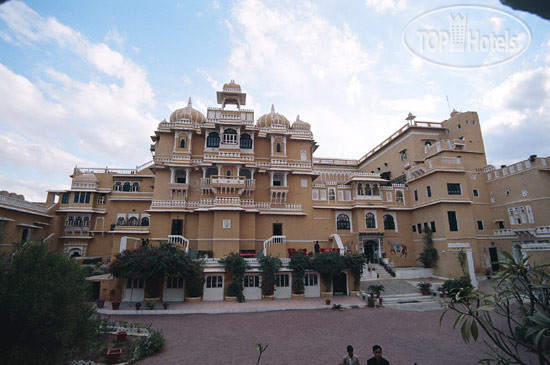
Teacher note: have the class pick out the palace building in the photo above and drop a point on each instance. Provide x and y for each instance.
(229, 181)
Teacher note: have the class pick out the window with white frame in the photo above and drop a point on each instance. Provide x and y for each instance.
(342, 221)
(314, 194)
(310, 280)
(370, 220)
(135, 186)
(304, 183)
(174, 282)
(117, 186)
(530, 215)
(229, 136)
(323, 194)
(303, 155)
(101, 199)
(214, 281)
(517, 217)
(252, 281)
(340, 195)
(283, 280)
(331, 194)
(135, 283)
(388, 196)
(348, 195)
(522, 215)
(399, 197)
(511, 216)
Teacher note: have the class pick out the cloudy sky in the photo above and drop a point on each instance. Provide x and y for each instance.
(86, 82)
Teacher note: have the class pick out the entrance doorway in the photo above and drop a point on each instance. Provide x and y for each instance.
(277, 229)
(493, 253)
(371, 251)
(339, 284)
(177, 227)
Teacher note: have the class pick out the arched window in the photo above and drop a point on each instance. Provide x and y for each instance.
(375, 189)
(278, 148)
(78, 222)
(228, 173)
(75, 253)
(246, 173)
(118, 186)
(211, 171)
(342, 222)
(127, 186)
(145, 221)
(25, 235)
(403, 155)
(133, 221)
(120, 221)
(230, 136)
(368, 191)
(182, 143)
(135, 186)
(213, 140)
(246, 141)
(86, 222)
(370, 220)
(70, 221)
(278, 179)
(180, 177)
(359, 189)
(399, 196)
(428, 143)
(389, 222)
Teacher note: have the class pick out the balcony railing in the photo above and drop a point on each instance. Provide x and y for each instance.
(221, 201)
(274, 240)
(179, 241)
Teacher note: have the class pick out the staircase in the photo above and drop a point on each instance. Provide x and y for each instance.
(372, 275)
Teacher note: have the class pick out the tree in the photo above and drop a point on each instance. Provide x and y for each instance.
(515, 319)
(429, 255)
(44, 309)
(327, 264)
(299, 263)
(355, 263)
(270, 266)
(237, 266)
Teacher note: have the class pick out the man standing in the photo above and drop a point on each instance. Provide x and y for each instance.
(377, 359)
(350, 359)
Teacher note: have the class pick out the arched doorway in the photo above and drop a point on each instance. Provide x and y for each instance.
(371, 251)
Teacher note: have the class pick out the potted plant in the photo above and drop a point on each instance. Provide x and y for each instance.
(429, 254)
(138, 306)
(100, 303)
(165, 305)
(299, 263)
(424, 287)
(270, 266)
(150, 304)
(237, 266)
(376, 289)
(121, 336)
(113, 355)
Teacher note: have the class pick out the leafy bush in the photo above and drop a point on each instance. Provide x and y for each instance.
(299, 263)
(424, 285)
(327, 264)
(355, 263)
(429, 254)
(148, 346)
(237, 266)
(270, 266)
(453, 286)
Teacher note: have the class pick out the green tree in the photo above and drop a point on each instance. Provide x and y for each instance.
(299, 263)
(429, 255)
(327, 264)
(355, 263)
(237, 266)
(515, 319)
(270, 266)
(44, 311)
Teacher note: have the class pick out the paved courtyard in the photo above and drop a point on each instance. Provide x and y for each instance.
(317, 336)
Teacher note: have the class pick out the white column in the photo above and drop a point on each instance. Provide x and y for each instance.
(471, 269)
(172, 173)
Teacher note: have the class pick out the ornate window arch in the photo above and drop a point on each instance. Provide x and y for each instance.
(213, 140)
(135, 186)
(133, 221)
(246, 141)
(370, 220)
(359, 189)
(145, 221)
(230, 136)
(342, 221)
(117, 186)
(127, 186)
(389, 222)
(120, 221)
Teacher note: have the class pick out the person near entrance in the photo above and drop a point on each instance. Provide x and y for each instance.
(350, 358)
(317, 248)
(377, 359)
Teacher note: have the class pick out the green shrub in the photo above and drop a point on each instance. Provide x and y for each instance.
(237, 266)
(270, 266)
(299, 263)
(148, 346)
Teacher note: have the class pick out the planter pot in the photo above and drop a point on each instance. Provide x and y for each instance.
(121, 336)
(354, 292)
(152, 300)
(425, 291)
(230, 299)
(115, 305)
(380, 301)
(327, 301)
(193, 299)
(298, 296)
(326, 294)
(113, 355)
(370, 302)
(268, 297)
(377, 295)
(100, 303)
(165, 305)
(442, 295)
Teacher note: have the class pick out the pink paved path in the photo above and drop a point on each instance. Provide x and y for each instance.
(309, 337)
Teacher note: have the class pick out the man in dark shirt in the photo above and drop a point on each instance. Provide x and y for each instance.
(377, 359)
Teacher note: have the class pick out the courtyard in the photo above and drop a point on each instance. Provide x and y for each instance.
(310, 337)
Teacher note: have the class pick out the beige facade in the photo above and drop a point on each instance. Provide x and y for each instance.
(226, 181)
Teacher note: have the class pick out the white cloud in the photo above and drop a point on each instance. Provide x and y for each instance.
(32, 190)
(383, 6)
(114, 36)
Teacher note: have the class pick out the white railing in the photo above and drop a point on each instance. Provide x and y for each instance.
(451, 160)
(22, 204)
(364, 174)
(228, 180)
(179, 241)
(333, 161)
(227, 201)
(274, 240)
(299, 165)
(278, 162)
(542, 230)
(504, 232)
(249, 183)
(338, 240)
(92, 184)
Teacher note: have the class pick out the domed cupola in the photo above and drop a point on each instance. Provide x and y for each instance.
(273, 119)
(300, 124)
(188, 113)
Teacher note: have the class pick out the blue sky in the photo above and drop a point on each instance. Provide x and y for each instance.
(86, 82)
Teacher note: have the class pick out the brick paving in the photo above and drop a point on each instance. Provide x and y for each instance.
(309, 337)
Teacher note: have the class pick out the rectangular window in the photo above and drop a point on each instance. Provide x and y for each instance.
(480, 225)
(101, 199)
(415, 195)
(65, 198)
(530, 215)
(476, 193)
(314, 194)
(425, 226)
(414, 228)
(419, 228)
(174, 282)
(500, 224)
(82, 198)
(348, 195)
(76, 197)
(522, 213)
(453, 224)
(88, 194)
(511, 216)
(283, 280)
(215, 281)
(310, 280)
(323, 194)
(252, 281)
(388, 196)
(454, 189)
(429, 191)
(331, 194)
(432, 226)
(304, 183)
(340, 195)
